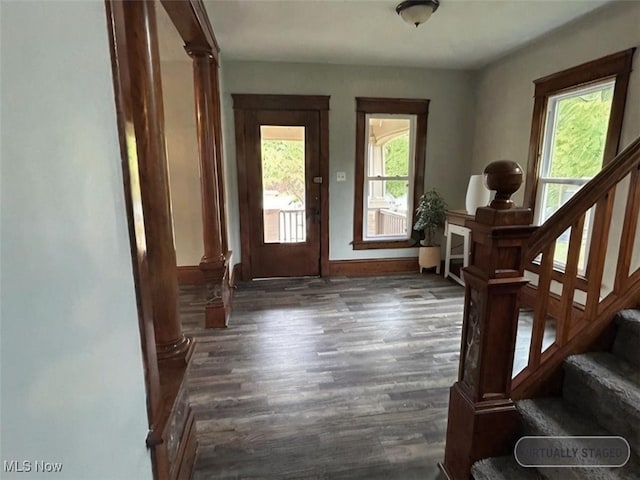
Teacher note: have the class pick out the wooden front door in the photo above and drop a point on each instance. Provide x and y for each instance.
(280, 171)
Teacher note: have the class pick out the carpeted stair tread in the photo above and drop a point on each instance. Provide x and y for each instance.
(627, 341)
(606, 388)
(502, 468)
(555, 417)
(600, 397)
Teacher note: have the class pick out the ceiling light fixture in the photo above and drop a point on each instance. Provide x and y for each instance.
(415, 12)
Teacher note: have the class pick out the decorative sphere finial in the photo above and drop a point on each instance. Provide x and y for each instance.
(505, 177)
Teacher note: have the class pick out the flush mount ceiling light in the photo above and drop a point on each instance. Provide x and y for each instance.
(415, 12)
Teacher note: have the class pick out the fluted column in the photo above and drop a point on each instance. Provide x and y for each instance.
(171, 344)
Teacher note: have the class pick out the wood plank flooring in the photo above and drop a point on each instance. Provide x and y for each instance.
(337, 378)
(341, 378)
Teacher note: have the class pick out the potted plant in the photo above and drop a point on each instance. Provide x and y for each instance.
(431, 215)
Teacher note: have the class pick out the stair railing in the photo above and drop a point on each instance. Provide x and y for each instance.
(482, 420)
(582, 304)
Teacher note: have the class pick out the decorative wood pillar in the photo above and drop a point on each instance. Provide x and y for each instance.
(482, 418)
(143, 58)
(217, 115)
(211, 222)
(214, 263)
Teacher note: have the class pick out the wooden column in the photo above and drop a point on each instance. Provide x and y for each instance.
(143, 58)
(217, 115)
(203, 64)
(214, 263)
(482, 418)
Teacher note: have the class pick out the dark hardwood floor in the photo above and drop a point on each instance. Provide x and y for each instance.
(326, 378)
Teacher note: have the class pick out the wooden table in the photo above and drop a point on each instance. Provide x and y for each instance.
(454, 225)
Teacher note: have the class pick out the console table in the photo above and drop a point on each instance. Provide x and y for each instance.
(454, 225)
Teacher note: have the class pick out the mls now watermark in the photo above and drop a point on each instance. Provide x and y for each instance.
(28, 466)
(591, 451)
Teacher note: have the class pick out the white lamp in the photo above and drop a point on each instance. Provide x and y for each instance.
(415, 12)
(478, 195)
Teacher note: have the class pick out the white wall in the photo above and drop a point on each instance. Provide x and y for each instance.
(450, 126)
(505, 89)
(505, 96)
(182, 156)
(72, 381)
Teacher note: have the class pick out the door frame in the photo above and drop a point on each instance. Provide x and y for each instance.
(315, 103)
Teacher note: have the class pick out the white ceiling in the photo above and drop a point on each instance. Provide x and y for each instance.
(461, 34)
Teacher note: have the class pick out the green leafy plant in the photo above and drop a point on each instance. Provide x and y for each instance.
(431, 214)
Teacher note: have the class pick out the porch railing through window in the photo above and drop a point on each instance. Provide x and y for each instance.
(389, 222)
(292, 226)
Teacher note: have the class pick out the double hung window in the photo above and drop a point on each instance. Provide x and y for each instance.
(576, 130)
(390, 151)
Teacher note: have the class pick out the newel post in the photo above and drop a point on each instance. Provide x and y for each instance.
(482, 418)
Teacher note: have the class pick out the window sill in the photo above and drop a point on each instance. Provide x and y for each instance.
(380, 244)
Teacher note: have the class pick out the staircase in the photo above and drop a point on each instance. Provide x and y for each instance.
(580, 295)
(600, 396)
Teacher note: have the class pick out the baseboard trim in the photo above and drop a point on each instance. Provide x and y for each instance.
(373, 266)
(190, 275)
(193, 275)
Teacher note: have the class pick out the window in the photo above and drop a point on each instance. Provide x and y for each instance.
(390, 151)
(576, 130)
(573, 144)
(388, 167)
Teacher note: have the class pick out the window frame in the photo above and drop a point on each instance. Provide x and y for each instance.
(412, 118)
(366, 106)
(616, 67)
(548, 140)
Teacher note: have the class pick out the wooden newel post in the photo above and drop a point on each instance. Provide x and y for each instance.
(482, 419)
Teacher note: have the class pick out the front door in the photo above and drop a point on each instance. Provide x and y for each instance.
(283, 181)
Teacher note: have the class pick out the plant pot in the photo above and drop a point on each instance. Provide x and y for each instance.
(429, 257)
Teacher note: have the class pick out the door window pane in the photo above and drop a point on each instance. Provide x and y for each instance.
(283, 183)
